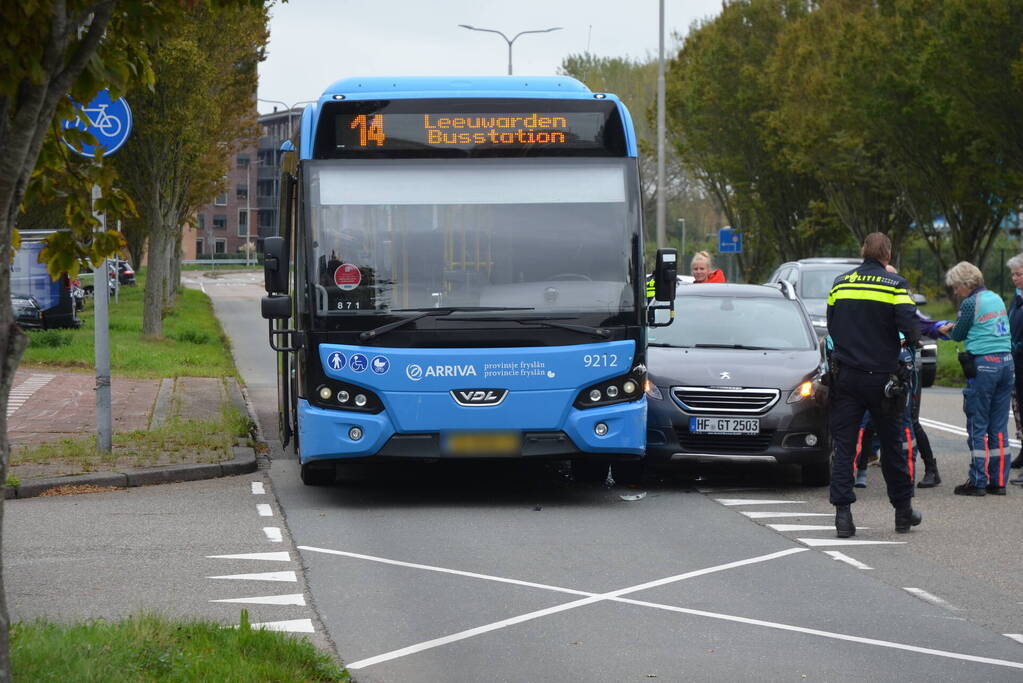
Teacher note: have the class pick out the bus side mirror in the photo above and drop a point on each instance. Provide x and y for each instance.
(276, 306)
(666, 274)
(275, 267)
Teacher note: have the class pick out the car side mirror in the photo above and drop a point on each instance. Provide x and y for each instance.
(276, 306)
(275, 267)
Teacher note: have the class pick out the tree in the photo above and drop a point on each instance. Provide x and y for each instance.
(718, 104)
(48, 50)
(176, 162)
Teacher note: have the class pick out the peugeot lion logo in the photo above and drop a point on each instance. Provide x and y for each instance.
(725, 375)
(478, 397)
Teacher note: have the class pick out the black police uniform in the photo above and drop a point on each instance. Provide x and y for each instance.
(867, 308)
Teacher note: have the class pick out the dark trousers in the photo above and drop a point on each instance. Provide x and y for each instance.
(854, 393)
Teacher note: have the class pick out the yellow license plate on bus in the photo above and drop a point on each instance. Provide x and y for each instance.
(483, 443)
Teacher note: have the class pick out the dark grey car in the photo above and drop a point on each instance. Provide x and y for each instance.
(736, 377)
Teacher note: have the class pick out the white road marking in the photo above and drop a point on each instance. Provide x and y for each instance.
(273, 534)
(283, 556)
(21, 393)
(263, 576)
(957, 430)
(842, 557)
(293, 599)
(590, 599)
(257, 488)
(762, 514)
(933, 599)
(824, 542)
(264, 510)
(806, 527)
(730, 502)
(1018, 637)
(829, 634)
(289, 626)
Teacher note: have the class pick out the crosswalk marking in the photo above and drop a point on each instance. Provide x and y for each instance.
(260, 576)
(730, 502)
(283, 556)
(825, 542)
(289, 626)
(293, 599)
(21, 393)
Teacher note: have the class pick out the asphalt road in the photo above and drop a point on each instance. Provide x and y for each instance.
(464, 572)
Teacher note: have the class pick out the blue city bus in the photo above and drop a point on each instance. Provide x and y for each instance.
(459, 274)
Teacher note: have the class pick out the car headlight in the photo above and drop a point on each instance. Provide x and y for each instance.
(819, 320)
(651, 389)
(802, 392)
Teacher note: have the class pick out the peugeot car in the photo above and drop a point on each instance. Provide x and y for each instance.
(737, 377)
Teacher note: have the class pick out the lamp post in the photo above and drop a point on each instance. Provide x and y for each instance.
(291, 112)
(509, 40)
(682, 252)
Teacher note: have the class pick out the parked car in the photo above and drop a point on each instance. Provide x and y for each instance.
(737, 377)
(812, 279)
(125, 273)
(27, 312)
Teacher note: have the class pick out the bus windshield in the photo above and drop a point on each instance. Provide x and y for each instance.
(550, 235)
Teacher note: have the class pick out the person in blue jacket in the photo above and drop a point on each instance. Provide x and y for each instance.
(983, 324)
(1015, 313)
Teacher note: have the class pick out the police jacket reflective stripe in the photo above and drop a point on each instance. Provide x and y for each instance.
(867, 308)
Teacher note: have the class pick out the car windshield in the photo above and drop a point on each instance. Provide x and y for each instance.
(736, 322)
(551, 235)
(815, 283)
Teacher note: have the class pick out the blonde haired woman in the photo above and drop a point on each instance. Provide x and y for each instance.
(703, 270)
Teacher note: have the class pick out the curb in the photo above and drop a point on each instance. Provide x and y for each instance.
(244, 462)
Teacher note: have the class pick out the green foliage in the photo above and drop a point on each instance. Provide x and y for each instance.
(153, 648)
(51, 339)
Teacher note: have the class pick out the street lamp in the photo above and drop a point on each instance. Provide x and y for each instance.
(510, 40)
(291, 112)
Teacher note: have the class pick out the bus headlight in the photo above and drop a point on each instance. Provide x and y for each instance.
(326, 393)
(619, 389)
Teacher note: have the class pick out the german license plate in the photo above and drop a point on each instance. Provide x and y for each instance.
(724, 425)
(483, 444)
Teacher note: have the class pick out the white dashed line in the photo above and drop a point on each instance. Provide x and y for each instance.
(730, 502)
(842, 557)
(764, 514)
(21, 393)
(290, 626)
(293, 599)
(283, 556)
(806, 527)
(257, 488)
(273, 534)
(955, 429)
(264, 510)
(263, 576)
(933, 599)
(1018, 637)
(824, 542)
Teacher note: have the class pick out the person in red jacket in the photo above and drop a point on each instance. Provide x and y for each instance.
(703, 270)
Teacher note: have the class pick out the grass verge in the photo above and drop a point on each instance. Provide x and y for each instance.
(178, 440)
(194, 344)
(151, 648)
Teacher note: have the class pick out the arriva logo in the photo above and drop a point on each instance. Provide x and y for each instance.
(415, 372)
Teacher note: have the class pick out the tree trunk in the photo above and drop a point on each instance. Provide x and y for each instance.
(156, 278)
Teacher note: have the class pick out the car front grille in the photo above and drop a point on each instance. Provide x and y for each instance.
(710, 400)
(725, 444)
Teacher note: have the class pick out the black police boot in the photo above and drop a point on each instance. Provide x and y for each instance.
(968, 489)
(844, 527)
(906, 517)
(1017, 462)
(931, 478)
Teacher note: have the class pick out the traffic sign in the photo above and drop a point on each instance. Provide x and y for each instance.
(729, 241)
(108, 120)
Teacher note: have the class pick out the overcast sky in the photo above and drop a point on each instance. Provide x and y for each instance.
(316, 42)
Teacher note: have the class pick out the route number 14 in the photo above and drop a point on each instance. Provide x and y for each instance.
(370, 128)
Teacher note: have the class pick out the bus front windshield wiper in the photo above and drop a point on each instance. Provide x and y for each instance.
(667, 346)
(735, 346)
(428, 312)
(547, 322)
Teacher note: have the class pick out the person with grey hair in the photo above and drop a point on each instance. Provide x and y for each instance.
(987, 364)
(1015, 312)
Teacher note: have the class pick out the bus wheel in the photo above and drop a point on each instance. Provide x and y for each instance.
(589, 470)
(313, 475)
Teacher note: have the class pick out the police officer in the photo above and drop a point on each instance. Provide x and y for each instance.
(867, 308)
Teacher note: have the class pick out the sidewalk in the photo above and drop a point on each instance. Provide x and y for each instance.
(51, 405)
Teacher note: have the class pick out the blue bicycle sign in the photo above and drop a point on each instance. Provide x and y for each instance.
(109, 121)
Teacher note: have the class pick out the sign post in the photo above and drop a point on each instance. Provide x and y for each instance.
(109, 121)
(730, 242)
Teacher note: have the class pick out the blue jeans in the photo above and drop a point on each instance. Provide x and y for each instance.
(986, 400)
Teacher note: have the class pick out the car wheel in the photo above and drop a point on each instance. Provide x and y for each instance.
(318, 476)
(819, 473)
(927, 374)
(589, 471)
